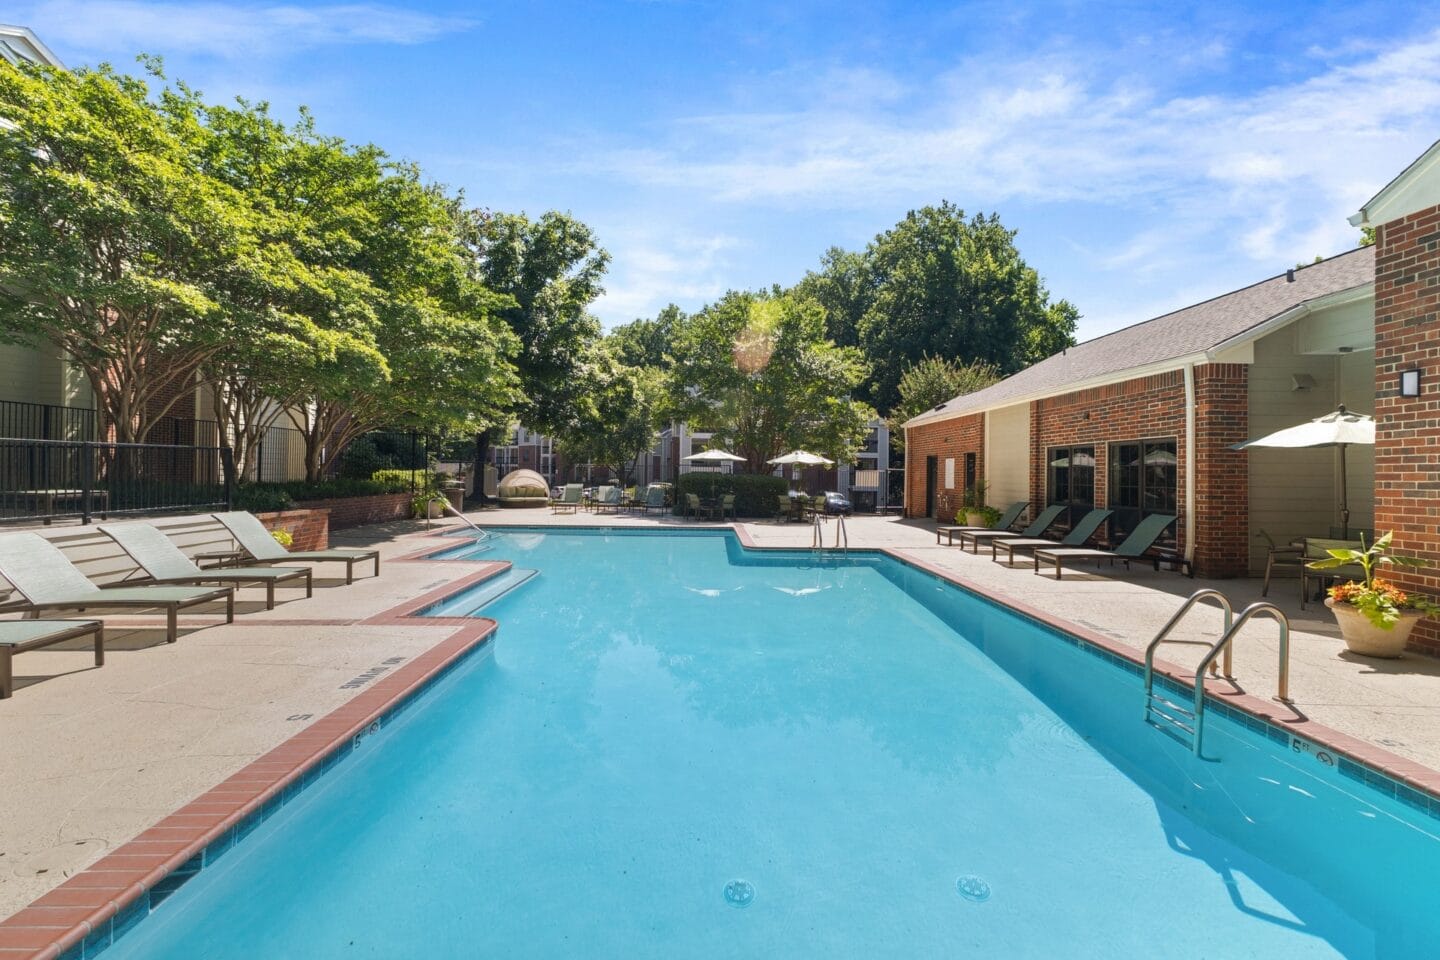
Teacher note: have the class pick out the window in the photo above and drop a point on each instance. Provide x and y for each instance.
(970, 472)
(1070, 473)
(1143, 480)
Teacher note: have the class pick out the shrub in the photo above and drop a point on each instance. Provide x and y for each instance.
(262, 498)
(423, 479)
(268, 497)
(756, 495)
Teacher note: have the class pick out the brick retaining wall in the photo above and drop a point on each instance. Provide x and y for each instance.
(361, 511)
(310, 528)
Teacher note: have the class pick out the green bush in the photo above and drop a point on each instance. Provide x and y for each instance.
(262, 498)
(424, 479)
(756, 495)
(268, 497)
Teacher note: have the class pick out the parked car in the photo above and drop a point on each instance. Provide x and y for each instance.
(838, 503)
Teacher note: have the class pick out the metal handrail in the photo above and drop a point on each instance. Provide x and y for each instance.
(841, 534)
(1204, 593)
(817, 533)
(1282, 692)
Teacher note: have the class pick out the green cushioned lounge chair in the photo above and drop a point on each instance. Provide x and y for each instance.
(1134, 547)
(609, 498)
(1077, 537)
(1043, 522)
(569, 499)
(17, 636)
(655, 498)
(255, 540)
(47, 580)
(163, 562)
(1008, 519)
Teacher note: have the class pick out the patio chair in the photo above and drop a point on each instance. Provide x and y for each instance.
(47, 580)
(609, 498)
(654, 498)
(1289, 555)
(602, 494)
(1008, 519)
(727, 505)
(18, 636)
(634, 499)
(569, 499)
(1077, 537)
(1134, 547)
(1317, 548)
(255, 540)
(785, 507)
(693, 505)
(163, 562)
(1043, 522)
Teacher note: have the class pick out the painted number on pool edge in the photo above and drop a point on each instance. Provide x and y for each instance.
(1323, 757)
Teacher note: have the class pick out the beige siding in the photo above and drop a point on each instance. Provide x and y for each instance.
(1294, 492)
(32, 376)
(1007, 460)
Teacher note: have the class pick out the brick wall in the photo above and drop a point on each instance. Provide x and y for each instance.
(1407, 430)
(309, 528)
(361, 511)
(1222, 482)
(943, 439)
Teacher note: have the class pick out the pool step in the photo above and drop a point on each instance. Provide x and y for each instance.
(1171, 718)
(472, 601)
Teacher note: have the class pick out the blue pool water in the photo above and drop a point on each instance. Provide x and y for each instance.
(678, 750)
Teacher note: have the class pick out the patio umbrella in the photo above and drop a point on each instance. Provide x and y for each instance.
(1338, 429)
(801, 458)
(715, 457)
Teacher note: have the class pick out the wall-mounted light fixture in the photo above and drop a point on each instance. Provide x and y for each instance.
(1301, 381)
(1410, 383)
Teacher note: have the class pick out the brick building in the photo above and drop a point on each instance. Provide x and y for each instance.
(1142, 421)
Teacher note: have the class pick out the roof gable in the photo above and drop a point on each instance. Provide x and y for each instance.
(1171, 337)
(1416, 188)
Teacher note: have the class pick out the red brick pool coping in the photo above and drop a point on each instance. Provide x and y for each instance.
(56, 921)
(66, 915)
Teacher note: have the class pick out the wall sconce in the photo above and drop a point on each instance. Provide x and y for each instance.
(1410, 383)
(1301, 381)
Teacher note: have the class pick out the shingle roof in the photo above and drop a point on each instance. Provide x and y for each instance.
(1184, 332)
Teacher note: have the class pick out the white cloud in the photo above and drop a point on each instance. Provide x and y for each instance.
(229, 30)
(655, 267)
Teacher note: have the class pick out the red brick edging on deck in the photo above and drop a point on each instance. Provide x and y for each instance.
(85, 905)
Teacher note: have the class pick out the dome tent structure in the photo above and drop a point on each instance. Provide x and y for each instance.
(524, 488)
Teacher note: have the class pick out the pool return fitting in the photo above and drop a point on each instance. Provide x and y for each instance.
(1189, 724)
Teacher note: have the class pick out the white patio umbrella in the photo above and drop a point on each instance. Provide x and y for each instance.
(801, 458)
(716, 457)
(1338, 429)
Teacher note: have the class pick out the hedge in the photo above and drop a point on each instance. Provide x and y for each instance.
(756, 495)
(268, 497)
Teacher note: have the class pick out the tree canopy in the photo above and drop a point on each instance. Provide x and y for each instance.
(932, 381)
(758, 370)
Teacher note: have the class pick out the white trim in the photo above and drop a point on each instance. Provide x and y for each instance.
(43, 53)
(1189, 462)
(1300, 310)
(1418, 166)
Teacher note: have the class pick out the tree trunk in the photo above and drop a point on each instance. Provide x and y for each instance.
(482, 447)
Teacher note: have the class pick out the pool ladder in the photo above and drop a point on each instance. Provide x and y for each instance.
(817, 534)
(1188, 723)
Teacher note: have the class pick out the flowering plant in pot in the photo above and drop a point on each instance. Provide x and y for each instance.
(1375, 615)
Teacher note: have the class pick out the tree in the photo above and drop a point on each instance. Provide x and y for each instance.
(934, 380)
(647, 343)
(944, 285)
(844, 286)
(623, 409)
(113, 245)
(757, 368)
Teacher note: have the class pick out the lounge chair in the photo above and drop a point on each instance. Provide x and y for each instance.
(1134, 547)
(1043, 522)
(1077, 537)
(1008, 519)
(17, 636)
(47, 580)
(569, 499)
(601, 493)
(654, 499)
(255, 540)
(609, 498)
(163, 562)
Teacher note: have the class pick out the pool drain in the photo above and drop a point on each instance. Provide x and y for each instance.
(973, 888)
(739, 893)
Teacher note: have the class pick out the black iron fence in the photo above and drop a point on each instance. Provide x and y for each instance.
(43, 421)
(49, 479)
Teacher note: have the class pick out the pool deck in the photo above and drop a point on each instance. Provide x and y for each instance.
(95, 757)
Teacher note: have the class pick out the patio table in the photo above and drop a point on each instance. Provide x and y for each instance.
(48, 498)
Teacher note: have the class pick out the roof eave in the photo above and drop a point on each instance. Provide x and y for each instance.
(1361, 218)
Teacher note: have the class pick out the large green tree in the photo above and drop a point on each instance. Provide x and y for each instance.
(623, 409)
(939, 283)
(758, 369)
(114, 246)
(645, 342)
(932, 381)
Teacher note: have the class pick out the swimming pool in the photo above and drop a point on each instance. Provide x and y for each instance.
(678, 748)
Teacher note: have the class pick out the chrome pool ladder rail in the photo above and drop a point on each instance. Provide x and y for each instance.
(1282, 692)
(842, 536)
(1171, 713)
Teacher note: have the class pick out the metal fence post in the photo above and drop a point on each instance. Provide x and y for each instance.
(227, 469)
(412, 461)
(87, 474)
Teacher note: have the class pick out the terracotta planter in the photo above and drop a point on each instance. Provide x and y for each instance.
(974, 518)
(1363, 637)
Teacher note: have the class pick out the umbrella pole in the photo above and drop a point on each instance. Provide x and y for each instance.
(1344, 498)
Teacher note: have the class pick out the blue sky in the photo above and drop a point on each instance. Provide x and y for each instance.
(1149, 155)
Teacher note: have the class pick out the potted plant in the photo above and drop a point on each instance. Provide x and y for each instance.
(973, 506)
(1375, 616)
(428, 504)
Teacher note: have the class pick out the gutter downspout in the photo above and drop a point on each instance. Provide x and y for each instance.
(1190, 462)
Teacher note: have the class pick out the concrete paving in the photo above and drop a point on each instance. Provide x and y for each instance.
(94, 756)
